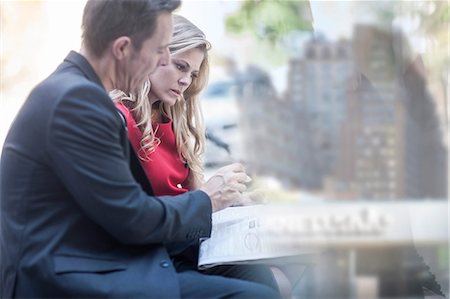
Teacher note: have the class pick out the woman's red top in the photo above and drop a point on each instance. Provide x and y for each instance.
(165, 170)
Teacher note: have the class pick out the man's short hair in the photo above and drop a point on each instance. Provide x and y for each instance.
(106, 20)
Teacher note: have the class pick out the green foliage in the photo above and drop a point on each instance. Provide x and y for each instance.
(444, 16)
(270, 20)
(433, 18)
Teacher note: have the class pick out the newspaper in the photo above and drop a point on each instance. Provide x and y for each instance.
(254, 234)
(240, 235)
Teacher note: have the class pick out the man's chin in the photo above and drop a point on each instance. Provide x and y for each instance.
(134, 89)
(153, 70)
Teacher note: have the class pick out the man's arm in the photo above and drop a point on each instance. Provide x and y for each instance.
(85, 148)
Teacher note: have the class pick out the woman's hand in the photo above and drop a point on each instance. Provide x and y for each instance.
(225, 187)
(249, 198)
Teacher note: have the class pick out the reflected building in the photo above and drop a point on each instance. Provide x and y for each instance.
(356, 121)
(391, 142)
(294, 137)
(258, 105)
(370, 163)
(316, 90)
(426, 154)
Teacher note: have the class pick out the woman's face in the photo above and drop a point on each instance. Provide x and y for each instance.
(169, 82)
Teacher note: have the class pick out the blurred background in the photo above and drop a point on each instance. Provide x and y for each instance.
(324, 102)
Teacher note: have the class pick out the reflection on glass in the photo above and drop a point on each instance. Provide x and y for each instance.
(360, 118)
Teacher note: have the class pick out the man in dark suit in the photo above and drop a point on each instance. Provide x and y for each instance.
(74, 221)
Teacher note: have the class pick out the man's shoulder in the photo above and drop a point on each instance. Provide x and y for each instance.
(64, 81)
(69, 85)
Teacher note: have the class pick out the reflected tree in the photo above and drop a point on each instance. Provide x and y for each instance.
(270, 20)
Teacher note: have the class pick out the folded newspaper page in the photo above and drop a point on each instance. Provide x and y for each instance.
(241, 235)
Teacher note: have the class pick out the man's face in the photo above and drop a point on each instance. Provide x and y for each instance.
(152, 54)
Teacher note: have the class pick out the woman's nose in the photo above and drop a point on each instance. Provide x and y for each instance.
(185, 80)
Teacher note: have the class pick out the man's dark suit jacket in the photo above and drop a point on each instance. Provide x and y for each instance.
(74, 222)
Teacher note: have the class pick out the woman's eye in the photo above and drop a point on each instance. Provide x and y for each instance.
(194, 76)
(179, 66)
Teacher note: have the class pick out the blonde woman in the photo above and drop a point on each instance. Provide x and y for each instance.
(166, 132)
(164, 118)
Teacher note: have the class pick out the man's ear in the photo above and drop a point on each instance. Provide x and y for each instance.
(122, 47)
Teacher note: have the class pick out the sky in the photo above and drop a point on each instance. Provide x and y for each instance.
(334, 19)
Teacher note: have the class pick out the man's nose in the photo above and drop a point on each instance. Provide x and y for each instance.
(165, 58)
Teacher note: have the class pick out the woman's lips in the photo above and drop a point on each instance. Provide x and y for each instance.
(176, 92)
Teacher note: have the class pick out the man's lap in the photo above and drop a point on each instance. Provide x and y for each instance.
(194, 284)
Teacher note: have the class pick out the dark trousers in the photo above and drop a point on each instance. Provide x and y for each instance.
(229, 281)
(238, 281)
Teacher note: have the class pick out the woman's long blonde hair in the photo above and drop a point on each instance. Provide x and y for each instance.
(185, 114)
